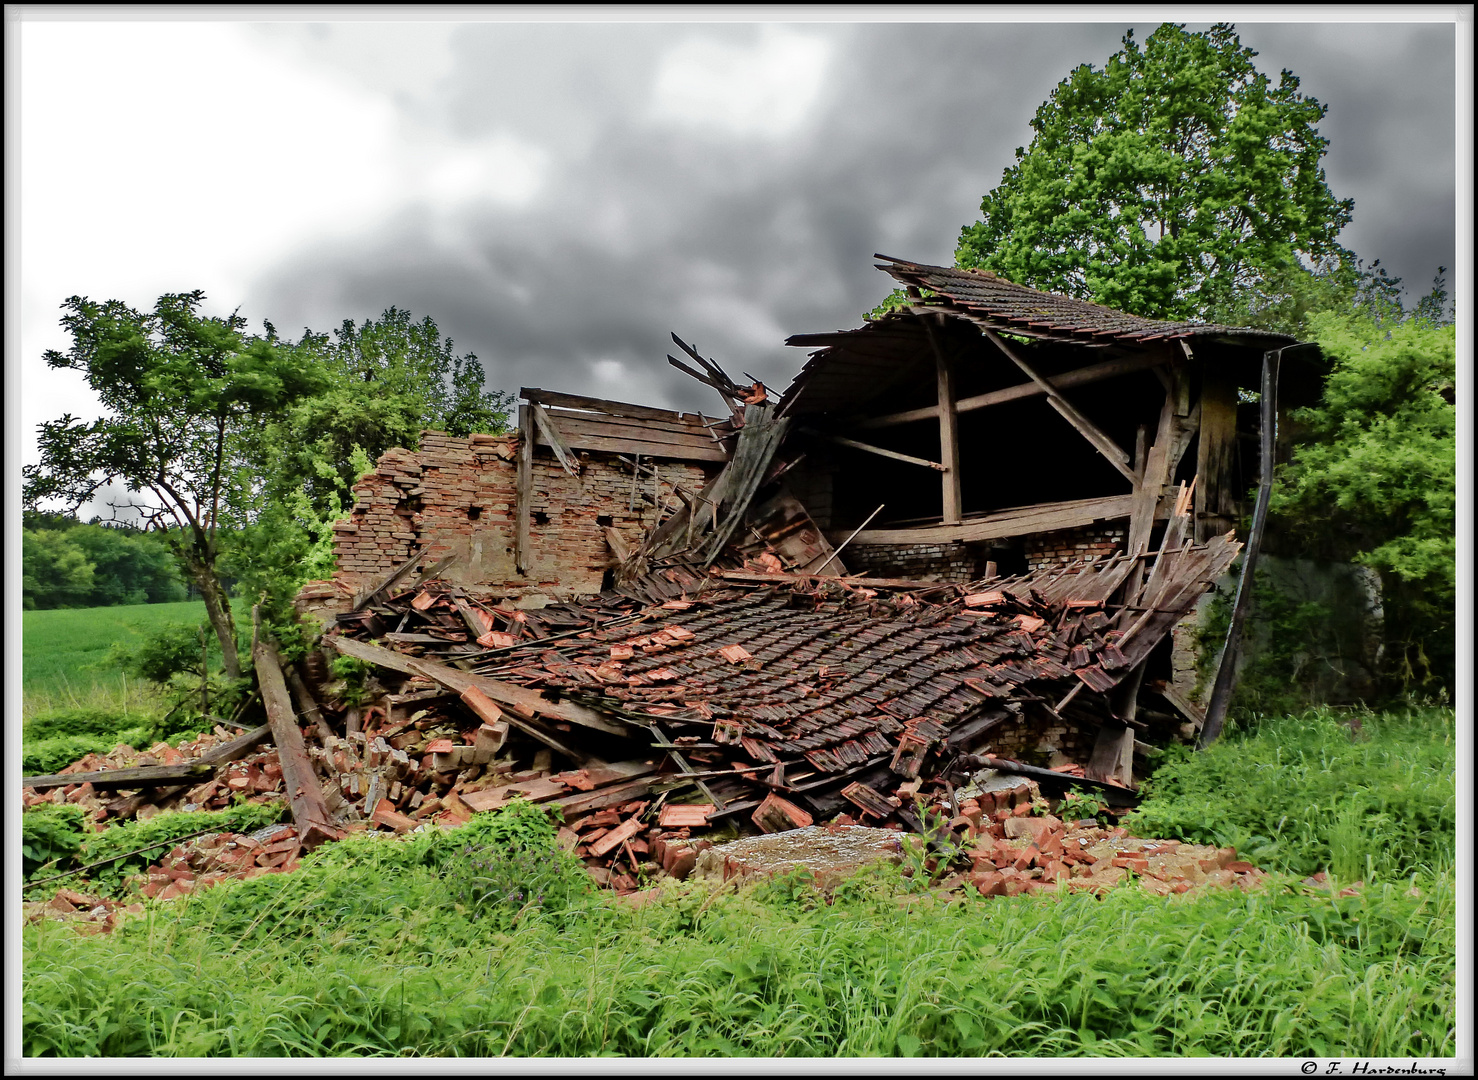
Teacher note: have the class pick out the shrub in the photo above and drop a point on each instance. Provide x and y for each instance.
(51, 836)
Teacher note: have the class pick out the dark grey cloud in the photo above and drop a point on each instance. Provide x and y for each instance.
(736, 240)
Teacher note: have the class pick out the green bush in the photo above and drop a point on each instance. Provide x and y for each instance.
(44, 757)
(72, 722)
(51, 836)
(1306, 793)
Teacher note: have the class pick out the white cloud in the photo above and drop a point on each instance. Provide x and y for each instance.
(165, 157)
(763, 89)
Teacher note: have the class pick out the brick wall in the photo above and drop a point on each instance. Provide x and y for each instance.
(1039, 741)
(919, 562)
(460, 496)
(1066, 546)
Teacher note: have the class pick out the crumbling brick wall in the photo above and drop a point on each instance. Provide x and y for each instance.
(1067, 546)
(460, 496)
(1036, 743)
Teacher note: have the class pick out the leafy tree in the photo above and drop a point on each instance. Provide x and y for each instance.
(181, 390)
(54, 571)
(1170, 180)
(130, 566)
(1375, 477)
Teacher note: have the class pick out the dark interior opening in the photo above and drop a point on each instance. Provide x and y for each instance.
(474, 512)
(604, 520)
(541, 518)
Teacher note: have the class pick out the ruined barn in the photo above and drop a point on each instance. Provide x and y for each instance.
(962, 550)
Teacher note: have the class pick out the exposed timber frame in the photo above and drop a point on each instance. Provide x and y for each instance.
(1085, 427)
(1108, 369)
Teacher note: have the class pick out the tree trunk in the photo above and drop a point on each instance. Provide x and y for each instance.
(217, 610)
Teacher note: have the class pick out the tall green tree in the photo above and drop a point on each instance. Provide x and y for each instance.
(54, 571)
(1170, 180)
(181, 390)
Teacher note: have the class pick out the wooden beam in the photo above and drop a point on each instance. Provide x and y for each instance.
(304, 794)
(562, 453)
(1226, 668)
(369, 595)
(155, 775)
(522, 556)
(1085, 427)
(502, 692)
(1081, 377)
(949, 437)
(1016, 522)
(878, 450)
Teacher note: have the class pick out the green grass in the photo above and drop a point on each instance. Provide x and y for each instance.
(339, 960)
(61, 652)
(433, 946)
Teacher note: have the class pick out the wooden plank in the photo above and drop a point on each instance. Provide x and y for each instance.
(458, 680)
(949, 437)
(522, 511)
(686, 451)
(1151, 486)
(562, 453)
(1068, 379)
(634, 428)
(155, 775)
(584, 801)
(304, 794)
(581, 425)
(614, 408)
(1085, 427)
(869, 448)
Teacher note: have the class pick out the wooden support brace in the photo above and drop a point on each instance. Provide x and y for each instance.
(878, 450)
(1085, 427)
(563, 454)
(1081, 377)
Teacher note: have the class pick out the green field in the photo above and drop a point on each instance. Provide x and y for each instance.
(62, 651)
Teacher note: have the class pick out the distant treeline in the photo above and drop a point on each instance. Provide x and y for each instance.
(68, 564)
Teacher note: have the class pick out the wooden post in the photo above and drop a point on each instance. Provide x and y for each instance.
(949, 441)
(1151, 485)
(1216, 456)
(1226, 669)
(1113, 753)
(523, 496)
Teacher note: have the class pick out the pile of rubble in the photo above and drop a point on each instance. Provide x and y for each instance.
(740, 699)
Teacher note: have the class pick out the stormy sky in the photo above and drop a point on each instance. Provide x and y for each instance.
(560, 196)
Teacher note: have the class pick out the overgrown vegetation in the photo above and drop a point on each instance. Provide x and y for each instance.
(1360, 794)
(422, 946)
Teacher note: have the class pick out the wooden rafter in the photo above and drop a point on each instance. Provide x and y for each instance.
(878, 450)
(1081, 377)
